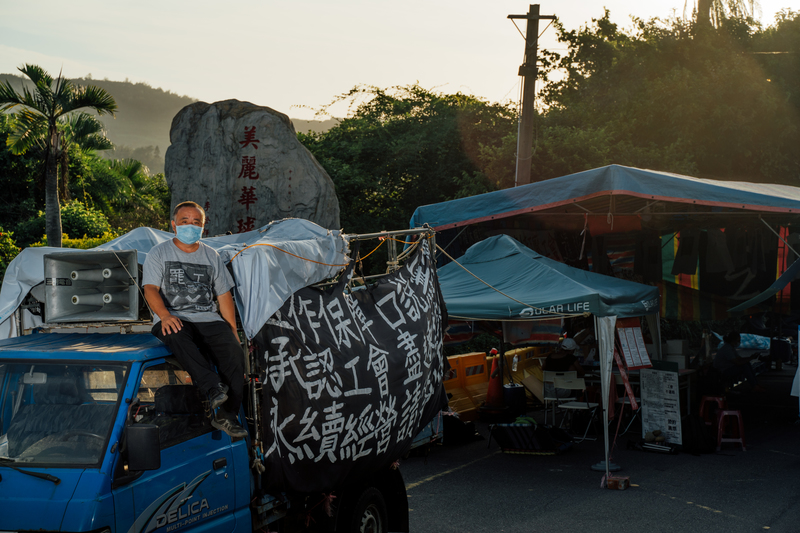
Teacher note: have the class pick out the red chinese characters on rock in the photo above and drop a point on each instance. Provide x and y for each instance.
(248, 171)
(247, 224)
(250, 138)
(248, 168)
(248, 197)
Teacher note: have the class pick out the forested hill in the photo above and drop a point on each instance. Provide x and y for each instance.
(141, 127)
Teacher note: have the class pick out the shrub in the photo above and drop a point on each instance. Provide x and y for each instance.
(83, 243)
(76, 220)
(8, 250)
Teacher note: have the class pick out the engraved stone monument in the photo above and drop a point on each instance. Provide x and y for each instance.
(244, 165)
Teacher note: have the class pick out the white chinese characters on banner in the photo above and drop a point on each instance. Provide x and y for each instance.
(352, 377)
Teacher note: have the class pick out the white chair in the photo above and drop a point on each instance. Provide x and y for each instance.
(577, 384)
(625, 400)
(550, 396)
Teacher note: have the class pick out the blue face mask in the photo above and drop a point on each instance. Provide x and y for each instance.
(188, 233)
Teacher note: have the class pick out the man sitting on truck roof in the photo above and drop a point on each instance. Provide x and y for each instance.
(180, 278)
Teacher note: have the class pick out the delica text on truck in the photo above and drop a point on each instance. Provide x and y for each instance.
(102, 431)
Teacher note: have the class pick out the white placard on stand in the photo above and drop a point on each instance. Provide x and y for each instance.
(661, 404)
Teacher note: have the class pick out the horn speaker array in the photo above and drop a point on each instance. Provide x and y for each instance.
(92, 286)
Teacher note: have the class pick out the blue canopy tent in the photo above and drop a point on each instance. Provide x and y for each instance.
(500, 279)
(617, 199)
(660, 199)
(604, 200)
(541, 287)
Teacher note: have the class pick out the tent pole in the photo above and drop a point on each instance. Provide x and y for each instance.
(604, 399)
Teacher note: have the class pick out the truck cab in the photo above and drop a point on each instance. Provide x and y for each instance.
(67, 401)
(106, 433)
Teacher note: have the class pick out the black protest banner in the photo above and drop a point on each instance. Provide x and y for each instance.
(351, 377)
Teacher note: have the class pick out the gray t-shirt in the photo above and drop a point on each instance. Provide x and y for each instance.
(188, 281)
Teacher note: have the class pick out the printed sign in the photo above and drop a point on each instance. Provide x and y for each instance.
(661, 404)
(633, 348)
(351, 377)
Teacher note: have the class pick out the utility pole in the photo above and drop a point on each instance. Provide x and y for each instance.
(528, 71)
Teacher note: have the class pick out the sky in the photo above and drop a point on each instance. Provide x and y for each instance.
(298, 55)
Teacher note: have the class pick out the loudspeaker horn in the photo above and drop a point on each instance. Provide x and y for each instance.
(91, 286)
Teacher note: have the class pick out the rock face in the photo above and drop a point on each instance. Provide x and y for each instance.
(244, 165)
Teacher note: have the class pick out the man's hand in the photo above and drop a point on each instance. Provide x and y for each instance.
(170, 324)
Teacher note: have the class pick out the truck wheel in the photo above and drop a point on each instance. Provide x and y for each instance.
(369, 514)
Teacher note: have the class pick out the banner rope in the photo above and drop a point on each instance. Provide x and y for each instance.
(287, 252)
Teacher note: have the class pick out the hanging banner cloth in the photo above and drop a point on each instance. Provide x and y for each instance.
(780, 283)
(351, 377)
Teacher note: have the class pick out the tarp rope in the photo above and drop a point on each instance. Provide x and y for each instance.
(549, 314)
(373, 250)
(286, 252)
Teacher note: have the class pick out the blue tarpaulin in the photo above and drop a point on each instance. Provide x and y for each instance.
(540, 287)
(612, 180)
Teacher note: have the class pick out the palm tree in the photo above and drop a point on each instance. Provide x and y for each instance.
(77, 129)
(140, 201)
(713, 11)
(39, 120)
(84, 131)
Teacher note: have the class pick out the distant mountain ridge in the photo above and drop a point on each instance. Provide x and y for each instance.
(144, 117)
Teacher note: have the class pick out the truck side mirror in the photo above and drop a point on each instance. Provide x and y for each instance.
(144, 447)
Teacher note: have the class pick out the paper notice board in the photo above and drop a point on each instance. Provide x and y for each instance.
(633, 349)
(661, 404)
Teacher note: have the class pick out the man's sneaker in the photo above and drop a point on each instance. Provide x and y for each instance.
(217, 396)
(228, 424)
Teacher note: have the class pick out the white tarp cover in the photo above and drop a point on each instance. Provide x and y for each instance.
(265, 274)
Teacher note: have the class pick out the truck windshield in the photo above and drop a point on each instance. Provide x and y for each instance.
(57, 414)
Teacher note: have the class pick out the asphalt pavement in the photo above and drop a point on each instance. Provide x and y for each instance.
(474, 487)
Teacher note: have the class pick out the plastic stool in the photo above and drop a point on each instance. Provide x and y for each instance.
(721, 424)
(704, 414)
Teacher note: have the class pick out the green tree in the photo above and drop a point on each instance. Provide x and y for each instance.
(145, 199)
(85, 132)
(777, 50)
(17, 181)
(661, 98)
(123, 190)
(408, 146)
(38, 119)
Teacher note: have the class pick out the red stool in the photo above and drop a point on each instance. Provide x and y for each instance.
(704, 414)
(721, 415)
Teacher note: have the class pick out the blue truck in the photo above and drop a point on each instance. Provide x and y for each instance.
(105, 433)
